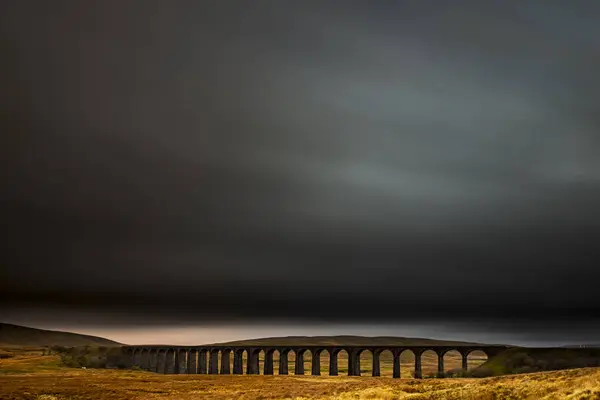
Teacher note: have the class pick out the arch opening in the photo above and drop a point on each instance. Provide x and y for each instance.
(202, 361)
(144, 359)
(364, 363)
(153, 361)
(181, 360)
(291, 362)
(429, 364)
(246, 360)
(137, 355)
(339, 360)
(452, 364)
(475, 359)
(170, 361)
(214, 356)
(386, 363)
(407, 363)
(192, 361)
(161, 361)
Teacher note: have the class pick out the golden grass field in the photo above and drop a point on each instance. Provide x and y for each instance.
(29, 375)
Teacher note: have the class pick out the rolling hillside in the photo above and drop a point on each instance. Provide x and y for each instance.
(346, 340)
(15, 335)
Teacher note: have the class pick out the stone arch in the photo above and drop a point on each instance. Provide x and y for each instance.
(202, 360)
(475, 358)
(407, 358)
(246, 361)
(291, 362)
(364, 361)
(170, 361)
(213, 355)
(144, 360)
(296, 360)
(253, 361)
(386, 362)
(260, 360)
(319, 361)
(153, 360)
(136, 355)
(284, 361)
(271, 361)
(239, 355)
(225, 361)
(325, 360)
(161, 362)
(192, 361)
(339, 361)
(452, 361)
(181, 355)
(429, 363)
(304, 356)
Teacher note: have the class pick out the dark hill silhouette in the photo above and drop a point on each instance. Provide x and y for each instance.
(348, 341)
(16, 335)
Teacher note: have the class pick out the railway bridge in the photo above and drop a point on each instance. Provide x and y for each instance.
(216, 359)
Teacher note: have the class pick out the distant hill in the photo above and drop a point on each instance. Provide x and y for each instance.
(24, 336)
(347, 341)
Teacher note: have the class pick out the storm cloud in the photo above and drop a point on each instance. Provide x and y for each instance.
(318, 159)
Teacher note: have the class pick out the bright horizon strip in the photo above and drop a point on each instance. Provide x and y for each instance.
(198, 335)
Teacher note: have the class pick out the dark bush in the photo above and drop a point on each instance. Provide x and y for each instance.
(481, 372)
(526, 369)
(454, 373)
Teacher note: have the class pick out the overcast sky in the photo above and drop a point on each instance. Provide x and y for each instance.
(348, 162)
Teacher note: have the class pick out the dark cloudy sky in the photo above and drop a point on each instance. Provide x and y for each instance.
(346, 161)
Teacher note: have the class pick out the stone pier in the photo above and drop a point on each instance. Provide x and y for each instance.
(202, 361)
(213, 362)
(192, 362)
(316, 363)
(269, 362)
(376, 369)
(283, 361)
(333, 363)
(299, 364)
(225, 362)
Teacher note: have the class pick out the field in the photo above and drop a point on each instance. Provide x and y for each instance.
(31, 375)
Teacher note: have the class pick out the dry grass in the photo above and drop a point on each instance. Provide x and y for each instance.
(32, 376)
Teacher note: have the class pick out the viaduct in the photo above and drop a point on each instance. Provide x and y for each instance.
(205, 359)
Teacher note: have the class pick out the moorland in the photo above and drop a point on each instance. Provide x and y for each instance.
(42, 372)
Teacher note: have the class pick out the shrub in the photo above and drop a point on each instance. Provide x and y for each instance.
(525, 369)
(481, 372)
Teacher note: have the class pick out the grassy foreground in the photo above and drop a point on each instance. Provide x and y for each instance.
(33, 376)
